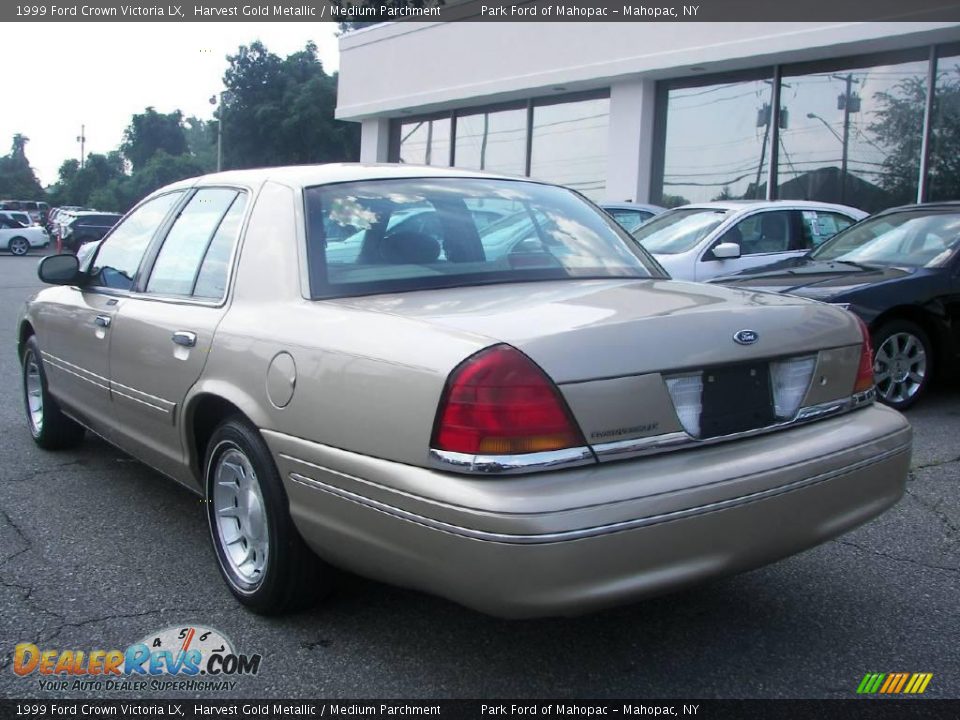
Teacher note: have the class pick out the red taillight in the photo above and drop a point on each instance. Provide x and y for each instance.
(865, 370)
(499, 402)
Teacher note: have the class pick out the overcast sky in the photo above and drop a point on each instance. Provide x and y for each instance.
(59, 76)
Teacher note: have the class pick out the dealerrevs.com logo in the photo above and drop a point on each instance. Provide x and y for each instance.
(175, 658)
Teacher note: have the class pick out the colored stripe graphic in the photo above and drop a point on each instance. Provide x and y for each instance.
(894, 683)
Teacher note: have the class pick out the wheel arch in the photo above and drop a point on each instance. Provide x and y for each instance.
(23, 334)
(203, 412)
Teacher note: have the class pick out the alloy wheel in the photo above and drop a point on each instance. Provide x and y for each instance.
(33, 387)
(241, 518)
(900, 367)
(19, 246)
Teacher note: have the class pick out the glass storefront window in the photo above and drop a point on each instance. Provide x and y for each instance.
(425, 142)
(717, 144)
(493, 141)
(944, 160)
(570, 145)
(854, 135)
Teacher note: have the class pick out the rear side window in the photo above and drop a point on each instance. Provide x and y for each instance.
(119, 256)
(424, 233)
(630, 219)
(182, 254)
(820, 225)
(212, 278)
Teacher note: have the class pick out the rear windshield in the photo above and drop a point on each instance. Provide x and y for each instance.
(678, 230)
(396, 235)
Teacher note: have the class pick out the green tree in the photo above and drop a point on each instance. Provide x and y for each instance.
(77, 185)
(150, 132)
(281, 111)
(898, 127)
(672, 201)
(17, 179)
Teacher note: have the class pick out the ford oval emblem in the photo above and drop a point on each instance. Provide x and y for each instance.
(745, 337)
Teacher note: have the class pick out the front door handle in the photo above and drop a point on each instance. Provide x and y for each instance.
(102, 321)
(185, 338)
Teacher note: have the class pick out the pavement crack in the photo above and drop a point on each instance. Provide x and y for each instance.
(896, 558)
(118, 616)
(934, 509)
(935, 463)
(59, 467)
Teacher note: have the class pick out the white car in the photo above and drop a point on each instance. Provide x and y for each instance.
(20, 240)
(706, 240)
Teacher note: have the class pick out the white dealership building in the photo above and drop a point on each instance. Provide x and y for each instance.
(665, 112)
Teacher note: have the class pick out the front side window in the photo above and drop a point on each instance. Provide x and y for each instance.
(679, 230)
(119, 256)
(911, 239)
(427, 233)
(178, 264)
(767, 232)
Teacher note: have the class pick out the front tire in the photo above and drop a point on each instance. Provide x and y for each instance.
(902, 363)
(49, 427)
(261, 556)
(19, 246)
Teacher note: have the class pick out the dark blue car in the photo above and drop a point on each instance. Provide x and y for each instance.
(899, 270)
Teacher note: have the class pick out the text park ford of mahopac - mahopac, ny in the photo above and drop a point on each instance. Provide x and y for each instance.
(472, 385)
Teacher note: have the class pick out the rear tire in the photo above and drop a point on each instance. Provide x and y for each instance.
(261, 556)
(49, 427)
(902, 363)
(19, 246)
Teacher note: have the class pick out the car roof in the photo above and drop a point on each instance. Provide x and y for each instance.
(760, 204)
(643, 207)
(88, 213)
(944, 205)
(309, 175)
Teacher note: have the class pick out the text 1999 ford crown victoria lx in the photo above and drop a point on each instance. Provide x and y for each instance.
(472, 385)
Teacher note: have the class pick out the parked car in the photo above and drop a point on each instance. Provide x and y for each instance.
(82, 227)
(548, 431)
(631, 215)
(19, 240)
(899, 270)
(701, 241)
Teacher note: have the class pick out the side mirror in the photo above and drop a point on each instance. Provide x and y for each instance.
(726, 251)
(59, 269)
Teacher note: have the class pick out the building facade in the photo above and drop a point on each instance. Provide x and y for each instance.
(866, 114)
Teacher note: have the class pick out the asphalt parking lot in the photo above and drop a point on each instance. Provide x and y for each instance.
(97, 551)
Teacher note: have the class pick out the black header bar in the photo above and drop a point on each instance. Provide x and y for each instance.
(371, 11)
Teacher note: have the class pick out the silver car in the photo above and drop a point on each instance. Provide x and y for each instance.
(707, 240)
(549, 429)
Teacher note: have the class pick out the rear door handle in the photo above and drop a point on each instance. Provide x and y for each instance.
(102, 321)
(185, 338)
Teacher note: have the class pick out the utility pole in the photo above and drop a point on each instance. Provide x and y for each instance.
(849, 102)
(82, 139)
(483, 141)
